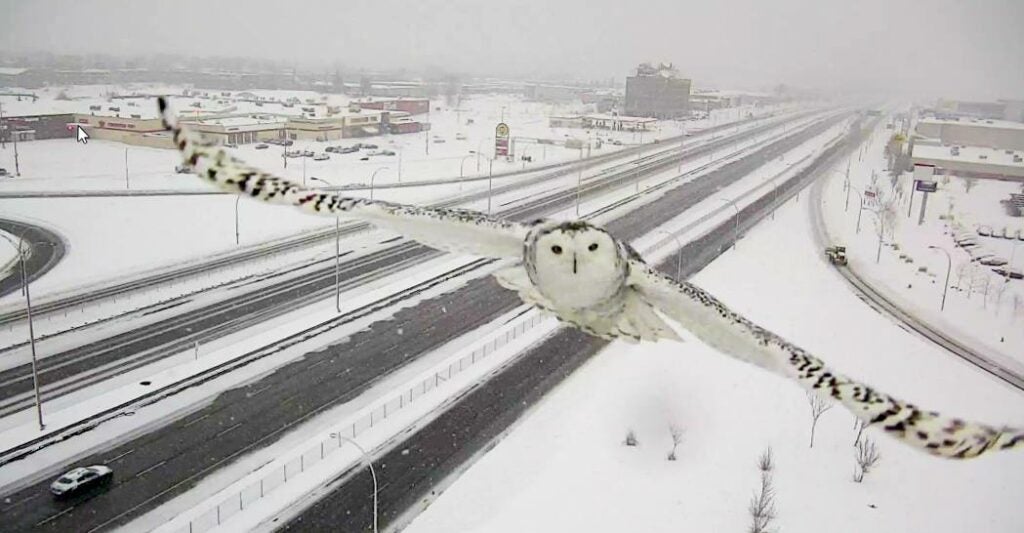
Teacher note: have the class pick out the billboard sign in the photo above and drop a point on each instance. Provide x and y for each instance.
(501, 138)
(926, 185)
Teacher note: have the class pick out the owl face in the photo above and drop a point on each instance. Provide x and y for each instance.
(576, 264)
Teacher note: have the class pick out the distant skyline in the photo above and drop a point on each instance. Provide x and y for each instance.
(903, 48)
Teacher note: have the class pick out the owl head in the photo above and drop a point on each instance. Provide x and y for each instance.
(575, 261)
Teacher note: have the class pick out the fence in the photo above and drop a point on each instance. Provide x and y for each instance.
(271, 481)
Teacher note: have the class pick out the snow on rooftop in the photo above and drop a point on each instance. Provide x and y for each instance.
(969, 154)
(982, 123)
(12, 71)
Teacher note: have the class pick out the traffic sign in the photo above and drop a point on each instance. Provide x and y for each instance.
(926, 186)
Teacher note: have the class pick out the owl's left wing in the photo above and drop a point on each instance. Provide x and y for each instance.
(452, 230)
(731, 333)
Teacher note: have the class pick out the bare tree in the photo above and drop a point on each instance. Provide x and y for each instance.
(677, 437)
(762, 505)
(859, 425)
(818, 407)
(867, 456)
(969, 184)
(766, 463)
(631, 438)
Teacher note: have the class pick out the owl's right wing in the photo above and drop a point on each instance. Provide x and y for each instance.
(733, 334)
(451, 230)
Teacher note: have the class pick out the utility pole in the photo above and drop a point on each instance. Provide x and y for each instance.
(14, 136)
(3, 141)
(126, 185)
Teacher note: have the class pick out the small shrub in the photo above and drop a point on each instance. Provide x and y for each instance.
(631, 438)
(867, 456)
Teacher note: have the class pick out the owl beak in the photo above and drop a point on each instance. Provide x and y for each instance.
(573, 263)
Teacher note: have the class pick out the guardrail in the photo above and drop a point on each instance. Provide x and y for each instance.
(278, 476)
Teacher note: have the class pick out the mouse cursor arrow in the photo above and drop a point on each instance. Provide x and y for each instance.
(83, 137)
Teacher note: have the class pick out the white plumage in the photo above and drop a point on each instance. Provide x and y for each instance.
(586, 277)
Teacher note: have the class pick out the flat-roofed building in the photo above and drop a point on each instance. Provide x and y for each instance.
(991, 133)
(239, 129)
(657, 92)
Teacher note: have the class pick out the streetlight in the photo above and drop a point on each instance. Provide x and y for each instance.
(236, 218)
(462, 165)
(373, 473)
(679, 254)
(337, 254)
(371, 179)
(861, 209)
(490, 183)
(31, 331)
(478, 147)
(949, 266)
(736, 226)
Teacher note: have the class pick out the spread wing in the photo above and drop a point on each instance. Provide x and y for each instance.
(731, 333)
(452, 230)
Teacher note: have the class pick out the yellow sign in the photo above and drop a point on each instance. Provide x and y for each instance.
(501, 131)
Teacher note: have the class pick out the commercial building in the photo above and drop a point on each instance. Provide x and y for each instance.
(246, 129)
(603, 121)
(990, 133)
(970, 161)
(657, 92)
(412, 106)
(1005, 109)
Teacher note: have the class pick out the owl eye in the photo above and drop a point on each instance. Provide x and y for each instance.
(556, 249)
(592, 247)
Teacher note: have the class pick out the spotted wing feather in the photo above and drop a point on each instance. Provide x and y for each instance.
(454, 230)
(729, 332)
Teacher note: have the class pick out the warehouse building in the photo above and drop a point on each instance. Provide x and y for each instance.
(989, 133)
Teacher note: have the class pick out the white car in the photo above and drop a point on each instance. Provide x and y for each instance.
(80, 479)
(321, 157)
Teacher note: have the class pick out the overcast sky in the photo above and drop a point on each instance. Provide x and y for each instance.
(941, 47)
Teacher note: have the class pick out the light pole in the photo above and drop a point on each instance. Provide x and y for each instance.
(478, 145)
(399, 165)
(878, 218)
(490, 182)
(736, 225)
(679, 254)
(861, 204)
(373, 473)
(462, 165)
(949, 266)
(236, 218)
(337, 254)
(637, 163)
(126, 186)
(31, 330)
(371, 179)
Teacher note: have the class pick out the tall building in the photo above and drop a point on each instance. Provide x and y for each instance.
(657, 91)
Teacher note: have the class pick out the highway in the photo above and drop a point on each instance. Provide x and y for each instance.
(46, 249)
(886, 306)
(251, 300)
(412, 473)
(235, 257)
(154, 467)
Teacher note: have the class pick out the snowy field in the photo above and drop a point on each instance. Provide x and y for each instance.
(982, 308)
(565, 468)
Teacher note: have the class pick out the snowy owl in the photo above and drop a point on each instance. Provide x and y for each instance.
(586, 277)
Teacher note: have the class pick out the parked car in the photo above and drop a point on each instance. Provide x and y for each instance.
(460, 137)
(286, 142)
(183, 169)
(308, 153)
(364, 158)
(348, 150)
(993, 261)
(230, 145)
(321, 157)
(1012, 273)
(262, 146)
(81, 479)
(3, 171)
(330, 149)
(293, 153)
(387, 152)
(368, 146)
